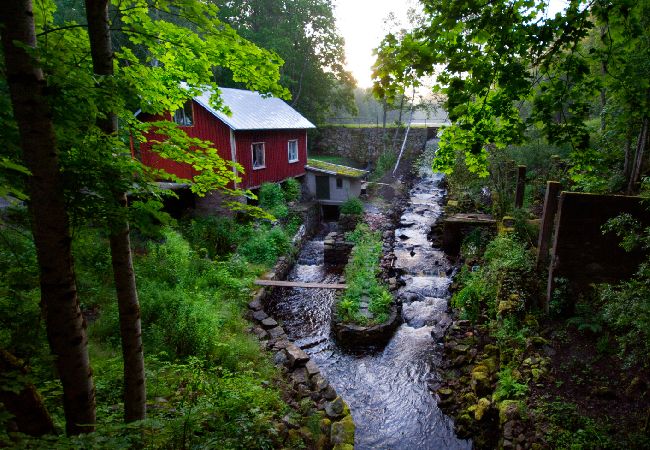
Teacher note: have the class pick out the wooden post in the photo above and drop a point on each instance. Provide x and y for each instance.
(550, 285)
(548, 217)
(521, 186)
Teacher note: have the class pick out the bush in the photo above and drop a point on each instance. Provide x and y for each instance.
(352, 206)
(506, 275)
(272, 200)
(265, 246)
(215, 236)
(385, 162)
(292, 190)
(361, 277)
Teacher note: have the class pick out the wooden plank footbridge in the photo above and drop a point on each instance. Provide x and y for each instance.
(300, 284)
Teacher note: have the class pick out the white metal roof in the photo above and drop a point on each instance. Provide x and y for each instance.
(251, 111)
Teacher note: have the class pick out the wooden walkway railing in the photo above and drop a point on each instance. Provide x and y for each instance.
(299, 284)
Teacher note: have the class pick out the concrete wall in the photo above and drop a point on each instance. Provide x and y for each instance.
(581, 252)
(351, 188)
(363, 144)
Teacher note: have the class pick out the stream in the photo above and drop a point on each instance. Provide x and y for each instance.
(386, 389)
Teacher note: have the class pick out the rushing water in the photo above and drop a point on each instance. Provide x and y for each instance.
(386, 389)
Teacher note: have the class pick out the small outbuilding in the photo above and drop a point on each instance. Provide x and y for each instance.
(332, 184)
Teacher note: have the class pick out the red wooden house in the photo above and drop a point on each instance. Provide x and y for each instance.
(265, 135)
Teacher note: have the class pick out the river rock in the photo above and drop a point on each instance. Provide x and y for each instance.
(329, 393)
(334, 408)
(256, 303)
(343, 431)
(276, 332)
(312, 368)
(269, 323)
(280, 358)
(295, 355)
(259, 315)
(299, 375)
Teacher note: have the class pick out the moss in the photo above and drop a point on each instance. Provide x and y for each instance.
(336, 168)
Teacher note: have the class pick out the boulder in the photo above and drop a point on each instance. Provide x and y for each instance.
(335, 408)
(276, 332)
(312, 368)
(269, 323)
(259, 315)
(509, 410)
(480, 381)
(295, 355)
(343, 431)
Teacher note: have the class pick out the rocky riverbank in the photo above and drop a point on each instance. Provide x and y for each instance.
(321, 418)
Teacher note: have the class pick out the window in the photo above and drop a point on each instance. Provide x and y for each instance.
(293, 151)
(339, 183)
(258, 155)
(184, 116)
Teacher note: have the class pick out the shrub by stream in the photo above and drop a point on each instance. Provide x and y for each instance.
(365, 292)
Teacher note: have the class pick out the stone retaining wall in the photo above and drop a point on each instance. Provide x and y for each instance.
(336, 250)
(364, 144)
(301, 372)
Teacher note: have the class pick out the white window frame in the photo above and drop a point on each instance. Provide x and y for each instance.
(180, 115)
(263, 166)
(297, 158)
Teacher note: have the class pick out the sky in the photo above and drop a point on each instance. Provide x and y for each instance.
(361, 23)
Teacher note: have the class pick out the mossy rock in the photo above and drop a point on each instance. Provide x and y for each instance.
(343, 447)
(481, 384)
(343, 431)
(482, 407)
(509, 410)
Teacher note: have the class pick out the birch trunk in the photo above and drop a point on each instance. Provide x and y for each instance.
(641, 144)
(121, 257)
(66, 327)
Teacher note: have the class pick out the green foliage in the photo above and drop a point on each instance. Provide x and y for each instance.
(361, 277)
(385, 163)
(304, 34)
(627, 311)
(215, 236)
(292, 190)
(265, 245)
(352, 206)
(508, 387)
(626, 306)
(190, 306)
(571, 429)
(524, 230)
(21, 328)
(580, 78)
(272, 199)
(475, 293)
(506, 276)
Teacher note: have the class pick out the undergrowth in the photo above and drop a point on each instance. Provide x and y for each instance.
(361, 274)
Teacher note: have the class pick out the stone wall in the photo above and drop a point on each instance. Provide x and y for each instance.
(336, 250)
(364, 144)
(303, 376)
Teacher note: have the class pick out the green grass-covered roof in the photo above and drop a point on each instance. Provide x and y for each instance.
(335, 168)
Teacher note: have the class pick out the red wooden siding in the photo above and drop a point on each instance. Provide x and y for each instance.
(276, 158)
(208, 127)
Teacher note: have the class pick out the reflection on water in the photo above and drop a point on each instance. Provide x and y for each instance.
(385, 388)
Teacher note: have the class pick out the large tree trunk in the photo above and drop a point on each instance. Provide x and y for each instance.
(127, 296)
(26, 405)
(66, 327)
